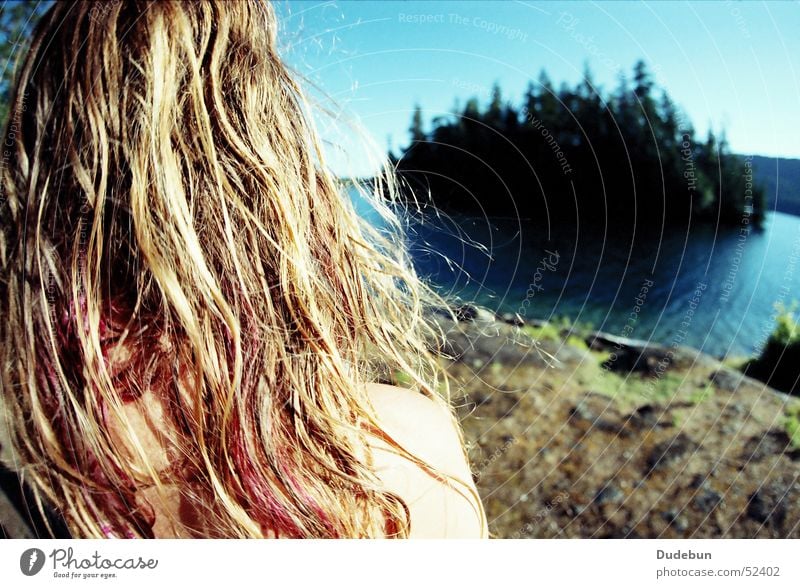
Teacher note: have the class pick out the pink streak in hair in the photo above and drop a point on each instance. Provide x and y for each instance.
(110, 499)
(268, 511)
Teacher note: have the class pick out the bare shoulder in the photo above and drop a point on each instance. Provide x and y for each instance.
(426, 429)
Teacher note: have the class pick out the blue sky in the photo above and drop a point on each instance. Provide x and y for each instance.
(731, 65)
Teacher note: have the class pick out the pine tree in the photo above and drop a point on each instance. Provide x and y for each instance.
(416, 129)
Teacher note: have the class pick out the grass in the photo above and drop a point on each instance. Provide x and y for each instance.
(736, 362)
(560, 329)
(700, 395)
(546, 332)
(791, 425)
(577, 342)
(602, 356)
(402, 379)
(633, 389)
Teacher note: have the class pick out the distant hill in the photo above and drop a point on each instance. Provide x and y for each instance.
(780, 177)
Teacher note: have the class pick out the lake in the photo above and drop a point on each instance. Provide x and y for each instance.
(712, 288)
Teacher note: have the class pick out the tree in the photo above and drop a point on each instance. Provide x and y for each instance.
(546, 106)
(620, 157)
(494, 113)
(416, 130)
(643, 83)
(471, 110)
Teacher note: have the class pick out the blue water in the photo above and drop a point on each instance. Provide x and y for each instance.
(714, 289)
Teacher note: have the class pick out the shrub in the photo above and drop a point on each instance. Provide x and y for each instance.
(779, 362)
(791, 423)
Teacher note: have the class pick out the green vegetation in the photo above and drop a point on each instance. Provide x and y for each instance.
(545, 332)
(560, 329)
(556, 327)
(632, 389)
(700, 395)
(496, 368)
(779, 360)
(792, 425)
(736, 362)
(581, 153)
(402, 379)
(577, 342)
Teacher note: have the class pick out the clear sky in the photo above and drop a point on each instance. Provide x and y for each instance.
(731, 65)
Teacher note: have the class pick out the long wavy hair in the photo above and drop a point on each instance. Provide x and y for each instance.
(171, 239)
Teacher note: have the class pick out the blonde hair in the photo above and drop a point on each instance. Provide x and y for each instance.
(168, 226)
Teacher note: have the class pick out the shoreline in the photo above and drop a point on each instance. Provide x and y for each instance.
(562, 446)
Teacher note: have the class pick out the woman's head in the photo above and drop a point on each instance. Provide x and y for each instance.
(171, 241)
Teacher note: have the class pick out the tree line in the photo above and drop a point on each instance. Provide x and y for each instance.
(577, 153)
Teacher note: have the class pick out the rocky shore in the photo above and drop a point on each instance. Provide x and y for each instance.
(583, 434)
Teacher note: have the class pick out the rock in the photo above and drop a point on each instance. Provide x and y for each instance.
(647, 417)
(499, 343)
(480, 399)
(658, 467)
(675, 520)
(629, 355)
(608, 494)
(441, 313)
(727, 379)
(566, 354)
(770, 504)
(512, 319)
(630, 533)
(698, 481)
(635, 355)
(707, 500)
(666, 452)
(478, 333)
(596, 411)
(466, 313)
(764, 508)
(775, 442)
(605, 342)
(736, 409)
